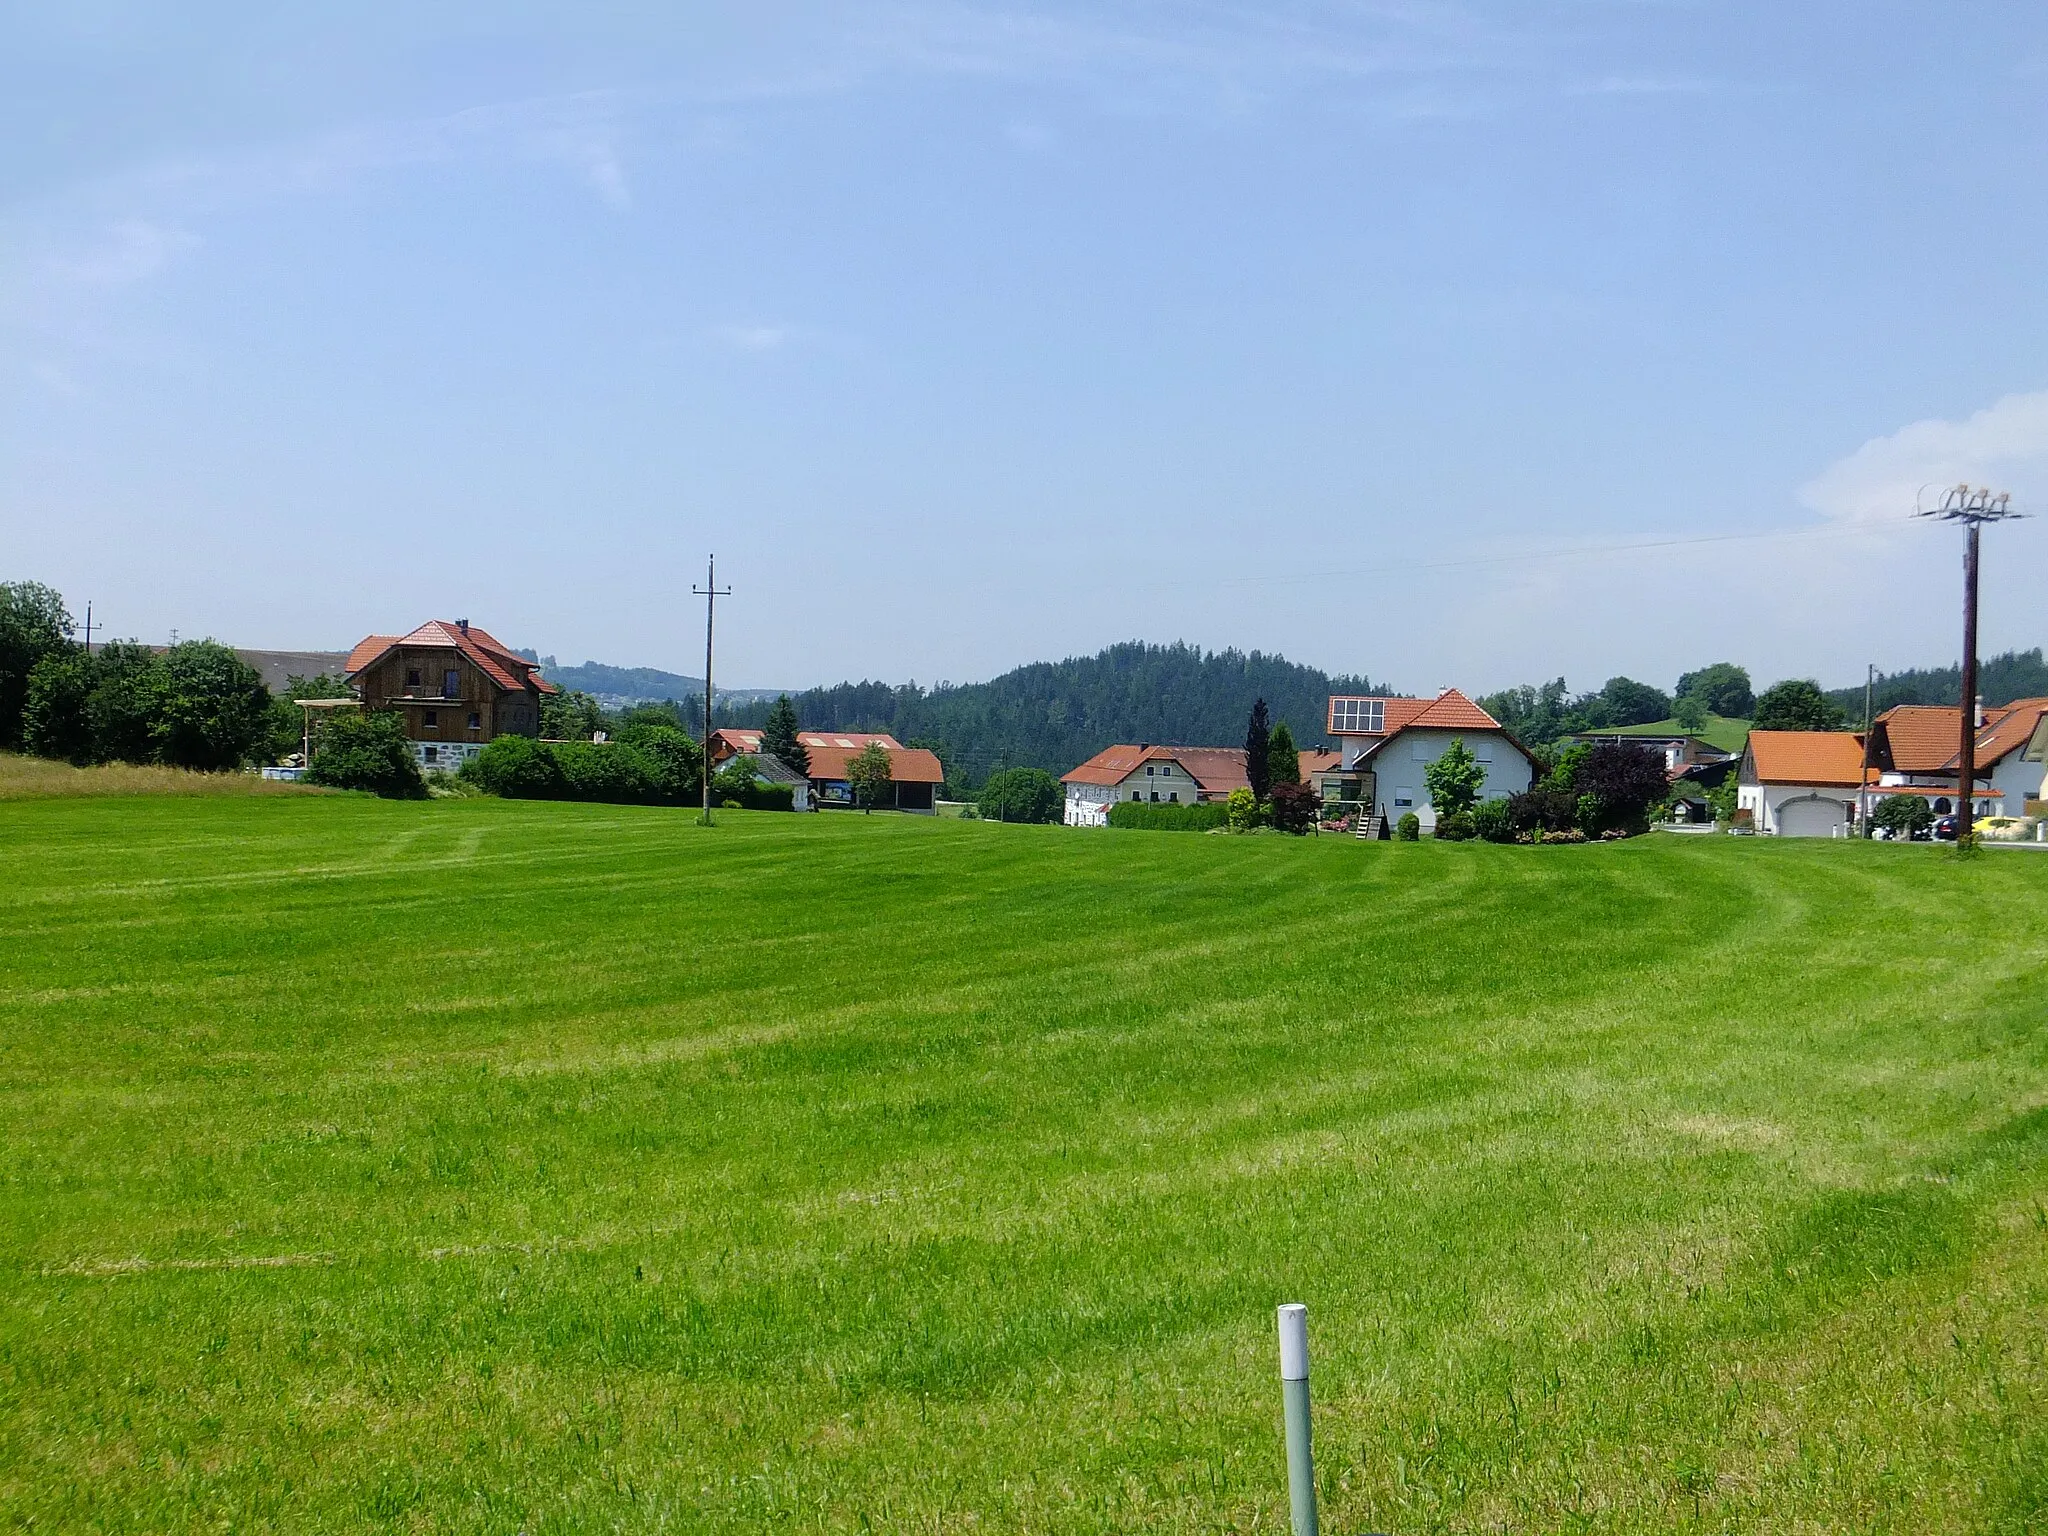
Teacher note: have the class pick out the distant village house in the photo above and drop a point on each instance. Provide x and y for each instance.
(1162, 775)
(1387, 743)
(915, 774)
(453, 685)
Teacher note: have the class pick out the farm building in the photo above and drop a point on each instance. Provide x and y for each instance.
(1169, 775)
(1915, 748)
(453, 685)
(1388, 742)
(915, 773)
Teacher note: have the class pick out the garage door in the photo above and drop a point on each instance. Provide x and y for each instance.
(1811, 818)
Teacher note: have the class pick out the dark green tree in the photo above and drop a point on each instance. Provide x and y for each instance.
(213, 710)
(367, 751)
(55, 719)
(1628, 702)
(1797, 705)
(1283, 760)
(1903, 816)
(33, 625)
(571, 716)
(127, 695)
(1022, 794)
(1722, 687)
(780, 740)
(1258, 752)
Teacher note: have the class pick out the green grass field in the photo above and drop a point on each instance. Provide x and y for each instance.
(483, 1166)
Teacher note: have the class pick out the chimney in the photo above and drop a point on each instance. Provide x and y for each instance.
(463, 625)
(1978, 719)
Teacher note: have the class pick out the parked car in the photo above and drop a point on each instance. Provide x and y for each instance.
(1945, 828)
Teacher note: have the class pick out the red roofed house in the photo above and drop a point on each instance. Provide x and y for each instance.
(1914, 747)
(454, 686)
(1169, 775)
(1801, 783)
(915, 773)
(1388, 742)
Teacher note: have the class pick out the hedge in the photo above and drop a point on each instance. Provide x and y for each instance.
(1204, 816)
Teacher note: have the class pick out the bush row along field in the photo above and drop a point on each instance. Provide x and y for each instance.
(477, 1165)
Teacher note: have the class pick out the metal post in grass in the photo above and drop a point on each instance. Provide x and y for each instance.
(1301, 1460)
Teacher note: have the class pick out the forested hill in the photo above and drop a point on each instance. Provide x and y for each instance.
(1054, 714)
(2001, 679)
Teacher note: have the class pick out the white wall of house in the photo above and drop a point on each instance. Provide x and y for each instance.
(1167, 783)
(444, 756)
(1399, 764)
(1088, 804)
(2018, 781)
(1765, 803)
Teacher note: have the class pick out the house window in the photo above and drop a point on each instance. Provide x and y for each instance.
(1368, 715)
(1136, 796)
(1148, 770)
(412, 677)
(1173, 794)
(433, 720)
(476, 721)
(431, 754)
(451, 684)
(1483, 750)
(1155, 794)
(1403, 798)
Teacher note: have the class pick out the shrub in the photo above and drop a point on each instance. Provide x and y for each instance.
(1409, 828)
(1294, 806)
(1457, 827)
(673, 759)
(608, 772)
(367, 751)
(1618, 785)
(1022, 794)
(1542, 809)
(517, 767)
(1241, 810)
(1490, 820)
(1903, 815)
(1206, 816)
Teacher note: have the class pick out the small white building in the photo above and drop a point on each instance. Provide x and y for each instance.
(1801, 783)
(1154, 775)
(1387, 743)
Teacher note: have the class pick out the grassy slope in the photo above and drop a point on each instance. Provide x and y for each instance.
(1720, 731)
(482, 1166)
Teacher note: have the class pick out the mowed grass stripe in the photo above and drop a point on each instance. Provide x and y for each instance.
(831, 1170)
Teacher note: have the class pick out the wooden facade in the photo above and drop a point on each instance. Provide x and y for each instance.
(455, 687)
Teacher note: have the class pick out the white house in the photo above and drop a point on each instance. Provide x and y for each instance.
(1915, 749)
(1388, 742)
(1161, 775)
(1801, 783)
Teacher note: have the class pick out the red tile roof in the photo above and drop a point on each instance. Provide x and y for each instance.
(1449, 710)
(907, 765)
(1215, 770)
(1920, 738)
(2007, 730)
(1314, 760)
(513, 673)
(1807, 757)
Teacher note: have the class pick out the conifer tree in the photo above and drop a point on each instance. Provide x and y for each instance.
(1283, 760)
(779, 738)
(1258, 752)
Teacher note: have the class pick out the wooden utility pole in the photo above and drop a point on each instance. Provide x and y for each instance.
(1972, 506)
(711, 592)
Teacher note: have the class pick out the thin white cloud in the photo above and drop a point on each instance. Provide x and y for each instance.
(2004, 445)
(753, 338)
(126, 251)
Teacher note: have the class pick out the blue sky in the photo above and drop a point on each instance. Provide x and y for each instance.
(1381, 335)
